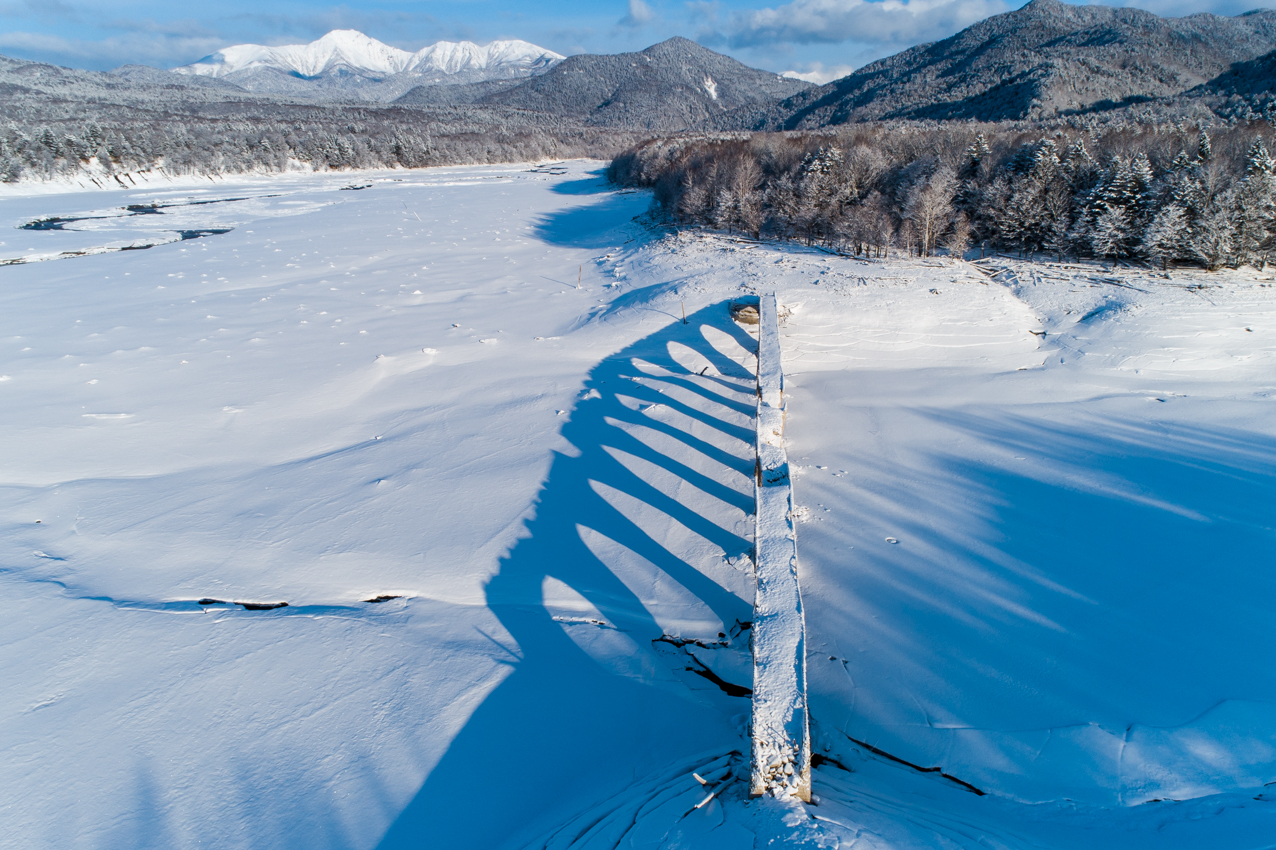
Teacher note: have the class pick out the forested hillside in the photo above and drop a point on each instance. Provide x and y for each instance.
(670, 86)
(61, 121)
(1044, 60)
(1104, 74)
(277, 139)
(1163, 194)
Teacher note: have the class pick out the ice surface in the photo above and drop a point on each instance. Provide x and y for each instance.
(303, 410)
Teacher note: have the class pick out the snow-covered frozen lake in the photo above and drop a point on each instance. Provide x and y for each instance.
(454, 419)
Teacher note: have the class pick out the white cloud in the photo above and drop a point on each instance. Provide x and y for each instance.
(47, 11)
(178, 41)
(819, 73)
(833, 21)
(137, 47)
(640, 14)
(704, 11)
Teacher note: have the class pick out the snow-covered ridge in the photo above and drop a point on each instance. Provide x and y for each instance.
(351, 51)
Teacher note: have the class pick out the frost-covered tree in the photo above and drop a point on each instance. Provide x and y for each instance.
(784, 200)
(958, 240)
(1145, 201)
(1212, 243)
(820, 193)
(929, 207)
(748, 199)
(1168, 237)
(1110, 232)
(976, 154)
(1257, 159)
(1255, 207)
(1150, 198)
(1057, 204)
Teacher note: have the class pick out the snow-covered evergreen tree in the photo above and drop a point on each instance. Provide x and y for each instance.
(1212, 242)
(1255, 207)
(1204, 150)
(821, 192)
(1168, 237)
(1110, 232)
(976, 154)
(1257, 159)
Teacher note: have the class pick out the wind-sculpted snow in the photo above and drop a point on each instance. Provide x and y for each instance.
(455, 421)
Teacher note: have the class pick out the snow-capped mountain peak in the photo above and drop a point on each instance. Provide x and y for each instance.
(340, 48)
(350, 49)
(518, 58)
(352, 52)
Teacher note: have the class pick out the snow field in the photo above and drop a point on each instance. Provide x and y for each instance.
(357, 402)
(1033, 562)
(1059, 524)
(402, 392)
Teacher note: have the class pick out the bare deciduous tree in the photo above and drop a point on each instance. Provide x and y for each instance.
(958, 240)
(929, 207)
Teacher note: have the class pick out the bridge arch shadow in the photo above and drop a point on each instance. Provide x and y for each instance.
(642, 529)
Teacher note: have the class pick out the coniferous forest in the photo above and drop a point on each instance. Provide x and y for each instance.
(1158, 194)
(292, 137)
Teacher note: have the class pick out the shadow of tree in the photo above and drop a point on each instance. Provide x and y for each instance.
(591, 225)
(650, 506)
(594, 183)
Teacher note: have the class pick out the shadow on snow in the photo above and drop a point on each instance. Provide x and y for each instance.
(593, 225)
(563, 730)
(1119, 579)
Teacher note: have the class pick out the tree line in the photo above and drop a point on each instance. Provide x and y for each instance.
(288, 137)
(1162, 194)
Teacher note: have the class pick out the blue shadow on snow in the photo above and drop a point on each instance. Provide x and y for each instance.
(562, 732)
(592, 226)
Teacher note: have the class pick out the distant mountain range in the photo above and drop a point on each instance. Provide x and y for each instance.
(1046, 60)
(1043, 60)
(346, 64)
(673, 85)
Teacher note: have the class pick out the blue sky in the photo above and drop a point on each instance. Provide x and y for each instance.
(825, 37)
